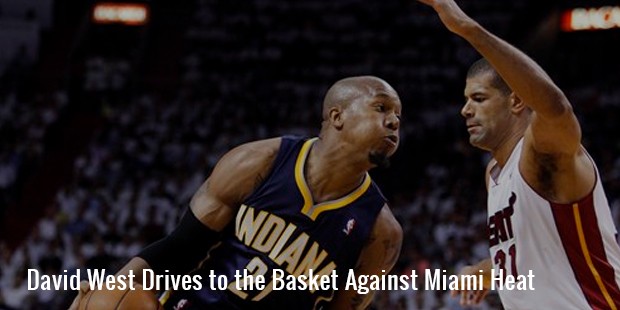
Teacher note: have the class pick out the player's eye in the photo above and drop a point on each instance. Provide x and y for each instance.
(478, 99)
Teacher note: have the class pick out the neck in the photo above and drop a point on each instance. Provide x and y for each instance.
(502, 153)
(331, 172)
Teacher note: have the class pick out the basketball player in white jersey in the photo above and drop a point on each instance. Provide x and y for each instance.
(547, 210)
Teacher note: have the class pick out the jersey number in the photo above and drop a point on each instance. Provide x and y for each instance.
(255, 267)
(501, 260)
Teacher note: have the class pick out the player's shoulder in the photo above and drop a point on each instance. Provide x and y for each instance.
(270, 148)
(265, 145)
(258, 149)
(387, 224)
(254, 156)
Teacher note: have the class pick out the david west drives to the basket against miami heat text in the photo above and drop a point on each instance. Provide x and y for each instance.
(434, 279)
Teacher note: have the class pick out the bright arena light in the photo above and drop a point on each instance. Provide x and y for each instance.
(131, 14)
(600, 18)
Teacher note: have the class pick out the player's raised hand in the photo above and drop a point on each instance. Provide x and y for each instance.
(472, 296)
(451, 15)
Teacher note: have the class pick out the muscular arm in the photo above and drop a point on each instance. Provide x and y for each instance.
(234, 177)
(379, 254)
(553, 161)
(524, 76)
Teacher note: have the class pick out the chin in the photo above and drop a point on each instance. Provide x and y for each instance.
(378, 159)
(474, 143)
(478, 144)
(475, 140)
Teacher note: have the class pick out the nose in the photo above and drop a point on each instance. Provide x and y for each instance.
(466, 110)
(392, 122)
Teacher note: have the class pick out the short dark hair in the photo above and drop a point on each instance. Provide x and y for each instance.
(483, 66)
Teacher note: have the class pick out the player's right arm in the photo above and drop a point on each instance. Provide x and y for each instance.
(474, 297)
(553, 162)
(212, 208)
(559, 130)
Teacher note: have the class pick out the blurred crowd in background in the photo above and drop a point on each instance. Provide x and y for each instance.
(106, 130)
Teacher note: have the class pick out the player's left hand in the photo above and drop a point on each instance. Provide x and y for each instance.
(450, 14)
(470, 297)
(84, 288)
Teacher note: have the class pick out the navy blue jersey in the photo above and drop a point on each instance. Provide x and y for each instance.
(280, 231)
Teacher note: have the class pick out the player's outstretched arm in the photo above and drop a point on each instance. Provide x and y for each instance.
(555, 129)
(380, 254)
(474, 297)
(552, 162)
(212, 208)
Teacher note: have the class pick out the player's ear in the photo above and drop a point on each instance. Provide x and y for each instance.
(335, 117)
(516, 104)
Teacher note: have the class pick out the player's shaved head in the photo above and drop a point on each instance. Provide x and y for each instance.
(348, 90)
(357, 99)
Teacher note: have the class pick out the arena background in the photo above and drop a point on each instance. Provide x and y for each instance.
(106, 130)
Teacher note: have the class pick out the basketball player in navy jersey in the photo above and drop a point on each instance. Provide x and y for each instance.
(292, 204)
(547, 210)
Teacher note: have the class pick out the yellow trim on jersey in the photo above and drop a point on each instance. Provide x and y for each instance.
(321, 298)
(586, 254)
(335, 204)
(299, 175)
(310, 209)
(164, 297)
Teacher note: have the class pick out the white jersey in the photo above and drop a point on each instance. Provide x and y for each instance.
(570, 249)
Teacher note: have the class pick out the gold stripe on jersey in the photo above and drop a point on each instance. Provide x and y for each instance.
(586, 254)
(310, 209)
(317, 209)
(299, 175)
(164, 297)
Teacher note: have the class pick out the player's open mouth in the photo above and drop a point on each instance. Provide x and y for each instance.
(393, 139)
(471, 128)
